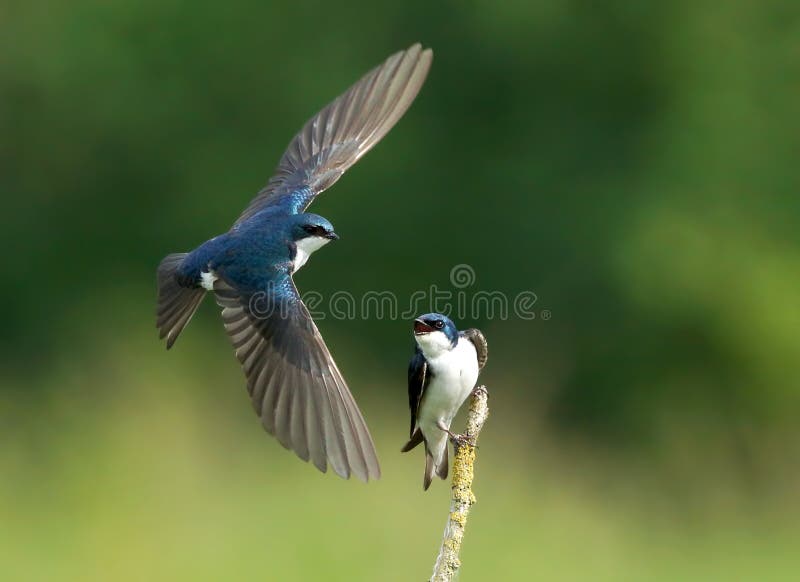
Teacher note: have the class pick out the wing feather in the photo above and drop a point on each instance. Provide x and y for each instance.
(339, 135)
(296, 387)
(417, 382)
(481, 346)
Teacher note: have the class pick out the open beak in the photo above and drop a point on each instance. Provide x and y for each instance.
(332, 235)
(421, 328)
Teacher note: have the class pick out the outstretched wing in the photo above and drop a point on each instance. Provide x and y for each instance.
(481, 347)
(345, 130)
(293, 382)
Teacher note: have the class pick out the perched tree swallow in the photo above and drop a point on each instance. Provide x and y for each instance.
(294, 384)
(441, 375)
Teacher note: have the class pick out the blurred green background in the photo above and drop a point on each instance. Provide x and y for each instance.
(634, 164)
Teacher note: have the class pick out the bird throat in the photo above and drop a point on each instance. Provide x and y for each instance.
(305, 248)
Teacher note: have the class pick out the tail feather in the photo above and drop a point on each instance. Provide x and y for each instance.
(176, 304)
(444, 464)
(429, 470)
(431, 467)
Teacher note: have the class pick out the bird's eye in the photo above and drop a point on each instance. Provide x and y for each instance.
(314, 229)
(438, 324)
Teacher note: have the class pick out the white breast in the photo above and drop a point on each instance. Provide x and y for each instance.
(305, 248)
(454, 374)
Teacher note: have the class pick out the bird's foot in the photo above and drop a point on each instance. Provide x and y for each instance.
(459, 440)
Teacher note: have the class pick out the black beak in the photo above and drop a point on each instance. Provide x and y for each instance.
(332, 235)
(421, 328)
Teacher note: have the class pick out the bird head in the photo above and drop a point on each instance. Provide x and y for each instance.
(313, 226)
(435, 333)
(309, 233)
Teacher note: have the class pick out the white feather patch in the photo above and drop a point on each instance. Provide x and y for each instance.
(305, 248)
(433, 343)
(454, 372)
(207, 280)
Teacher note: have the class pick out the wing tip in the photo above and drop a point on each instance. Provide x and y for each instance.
(373, 474)
(423, 56)
(417, 48)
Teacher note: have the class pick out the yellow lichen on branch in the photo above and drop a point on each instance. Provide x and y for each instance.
(462, 498)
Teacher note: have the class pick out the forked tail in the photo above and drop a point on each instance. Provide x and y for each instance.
(433, 468)
(176, 304)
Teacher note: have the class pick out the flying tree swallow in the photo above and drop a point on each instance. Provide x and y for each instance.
(294, 384)
(441, 375)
